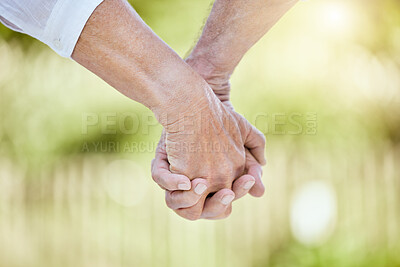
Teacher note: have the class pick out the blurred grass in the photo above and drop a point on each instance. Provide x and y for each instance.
(336, 59)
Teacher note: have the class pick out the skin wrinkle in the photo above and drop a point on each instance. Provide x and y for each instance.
(146, 62)
(231, 29)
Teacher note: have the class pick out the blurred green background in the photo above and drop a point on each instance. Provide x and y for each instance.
(323, 86)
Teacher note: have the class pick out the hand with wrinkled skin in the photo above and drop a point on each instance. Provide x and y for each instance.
(175, 184)
(187, 203)
(194, 204)
(214, 207)
(217, 166)
(141, 66)
(232, 28)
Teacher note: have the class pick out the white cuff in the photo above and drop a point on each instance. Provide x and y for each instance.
(65, 25)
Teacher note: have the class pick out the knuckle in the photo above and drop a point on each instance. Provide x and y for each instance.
(169, 202)
(229, 173)
(263, 139)
(220, 215)
(190, 200)
(188, 214)
(264, 142)
(259, 136)
(169, 185)
(183, 200)
(239, 170)
(154, 176)
(192, 217)
(230, 170)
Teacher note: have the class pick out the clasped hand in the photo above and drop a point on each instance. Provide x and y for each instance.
(209, 157)
(208, 154)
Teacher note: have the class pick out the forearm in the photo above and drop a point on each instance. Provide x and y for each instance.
(120, 48)
(232, 28)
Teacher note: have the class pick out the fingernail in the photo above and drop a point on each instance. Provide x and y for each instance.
(248, 185)
(227, 199)
(184, 186)
(200, 188)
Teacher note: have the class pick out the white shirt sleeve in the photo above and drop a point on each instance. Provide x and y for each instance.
(57, 23)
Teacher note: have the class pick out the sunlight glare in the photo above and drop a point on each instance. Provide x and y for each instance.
(337, 17)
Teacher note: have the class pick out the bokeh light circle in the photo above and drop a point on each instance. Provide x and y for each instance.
(313, 212)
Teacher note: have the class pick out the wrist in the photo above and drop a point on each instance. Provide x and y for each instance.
(182, 105)
(208, 68)
(217, 79)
